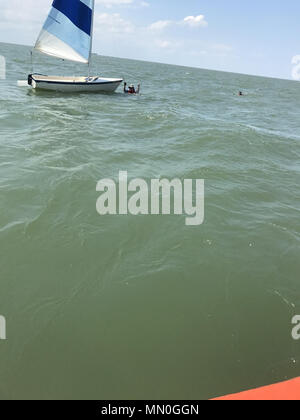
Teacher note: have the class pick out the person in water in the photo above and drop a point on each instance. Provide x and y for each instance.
(131, 90)
(241, 93)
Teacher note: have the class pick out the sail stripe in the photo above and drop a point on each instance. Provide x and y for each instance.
(78, 13)
(89, 3)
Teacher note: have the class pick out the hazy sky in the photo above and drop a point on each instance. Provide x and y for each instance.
(248, 36)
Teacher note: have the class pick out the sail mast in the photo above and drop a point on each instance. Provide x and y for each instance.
(92, 35)
(92, 30)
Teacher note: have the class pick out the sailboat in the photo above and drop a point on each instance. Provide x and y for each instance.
(68, 34)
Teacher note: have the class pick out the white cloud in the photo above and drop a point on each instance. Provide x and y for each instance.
(113, 23)
(191, 21)
(163, 44)
(160, 25)
(195, 21)
(168, 45)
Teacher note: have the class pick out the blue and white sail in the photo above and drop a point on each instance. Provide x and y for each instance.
(68, 30)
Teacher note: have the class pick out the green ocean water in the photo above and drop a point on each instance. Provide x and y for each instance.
(125, 307)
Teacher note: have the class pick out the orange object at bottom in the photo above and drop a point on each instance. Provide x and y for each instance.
(285, 391)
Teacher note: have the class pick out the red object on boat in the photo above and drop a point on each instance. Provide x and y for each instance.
(285, 391)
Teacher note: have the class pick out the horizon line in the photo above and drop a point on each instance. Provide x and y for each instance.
(172, 64)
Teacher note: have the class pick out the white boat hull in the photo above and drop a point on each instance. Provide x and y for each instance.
(73, 84)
